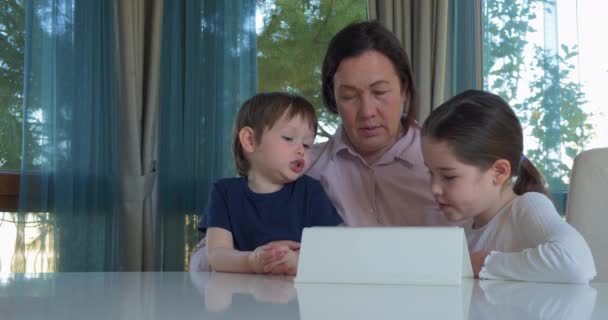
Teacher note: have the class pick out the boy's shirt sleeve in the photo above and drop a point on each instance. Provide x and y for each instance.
(216, 214)
(323, 212)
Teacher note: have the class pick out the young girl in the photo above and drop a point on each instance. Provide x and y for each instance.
(472, 145)
(254, 223)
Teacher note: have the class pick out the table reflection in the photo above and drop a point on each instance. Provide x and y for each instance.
(240, 296)
(528, 300)
(344, 301)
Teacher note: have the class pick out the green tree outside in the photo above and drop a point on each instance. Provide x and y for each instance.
(292, 43)
(12, 44)
(550, 109)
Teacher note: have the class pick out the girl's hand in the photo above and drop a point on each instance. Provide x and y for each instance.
(477, 260)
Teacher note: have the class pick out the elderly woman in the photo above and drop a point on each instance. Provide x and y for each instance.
(372, 168)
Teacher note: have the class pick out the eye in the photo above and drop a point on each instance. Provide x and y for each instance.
(306, 146)
(380, 92)
(288, 139)
(449, 178)
(347, 98)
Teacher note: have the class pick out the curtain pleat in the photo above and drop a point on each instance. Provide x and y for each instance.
(431, 32)
(208, 69)
(70, 153)
(138, 49)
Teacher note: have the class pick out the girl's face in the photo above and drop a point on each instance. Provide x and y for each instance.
(462, 191)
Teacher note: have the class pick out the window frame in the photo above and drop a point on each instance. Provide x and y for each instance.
(9, 190)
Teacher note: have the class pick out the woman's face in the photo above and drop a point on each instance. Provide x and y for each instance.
(370, 101)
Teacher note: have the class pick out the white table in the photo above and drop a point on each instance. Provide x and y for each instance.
(180, 296)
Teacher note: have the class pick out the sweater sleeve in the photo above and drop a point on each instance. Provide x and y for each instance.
(555, 251)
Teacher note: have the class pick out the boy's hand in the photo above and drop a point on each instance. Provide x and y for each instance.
(477, 260)
(282, 243)
(288, 264)
(270, 258)
(263, 256)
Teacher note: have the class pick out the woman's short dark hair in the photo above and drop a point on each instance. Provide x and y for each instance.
(354, 40)
(480, 128)
(261, 112)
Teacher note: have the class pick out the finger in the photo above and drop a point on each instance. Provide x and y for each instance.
(273, 255)
(273, 262)
(280, 268)
(272, 265)
(291, 244)
(288, 243)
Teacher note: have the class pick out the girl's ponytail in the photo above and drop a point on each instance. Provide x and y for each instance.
(529, 179)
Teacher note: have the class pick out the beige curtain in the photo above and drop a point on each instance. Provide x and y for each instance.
(138, 29)
(423, 28)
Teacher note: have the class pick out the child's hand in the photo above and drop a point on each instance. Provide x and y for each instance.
(288, 264)
(282, 243)
(263, 256)
(477, 260)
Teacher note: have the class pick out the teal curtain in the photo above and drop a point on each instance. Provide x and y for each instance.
(466, 46)
(208, 69)
(70, 158)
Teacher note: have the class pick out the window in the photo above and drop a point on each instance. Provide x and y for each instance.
(542, 57)
(12, 32)
(292, 39)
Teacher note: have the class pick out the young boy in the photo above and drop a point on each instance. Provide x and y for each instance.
(254, 222)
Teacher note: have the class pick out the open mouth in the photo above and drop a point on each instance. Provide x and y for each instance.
(442, 205)
(297, 166)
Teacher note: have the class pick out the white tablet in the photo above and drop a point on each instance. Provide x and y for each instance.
(384, 255)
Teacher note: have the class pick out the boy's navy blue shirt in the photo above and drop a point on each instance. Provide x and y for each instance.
(258, 218)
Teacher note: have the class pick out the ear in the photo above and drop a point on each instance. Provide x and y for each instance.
(247, 139)
(501, 170)
(405, 95)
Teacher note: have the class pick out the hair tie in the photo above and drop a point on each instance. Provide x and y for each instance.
(523, 158)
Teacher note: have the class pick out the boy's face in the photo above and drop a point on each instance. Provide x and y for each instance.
(282, 155)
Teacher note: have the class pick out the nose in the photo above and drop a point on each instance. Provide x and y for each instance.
(300, 150)
(368, 106)
(435, 188)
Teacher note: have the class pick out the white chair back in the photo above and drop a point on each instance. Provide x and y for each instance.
(587, 208)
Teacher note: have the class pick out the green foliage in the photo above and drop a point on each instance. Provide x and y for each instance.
(292, 44)
(12, 33)
(550, 109)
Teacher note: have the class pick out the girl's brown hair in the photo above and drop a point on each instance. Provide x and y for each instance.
(481, 128)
